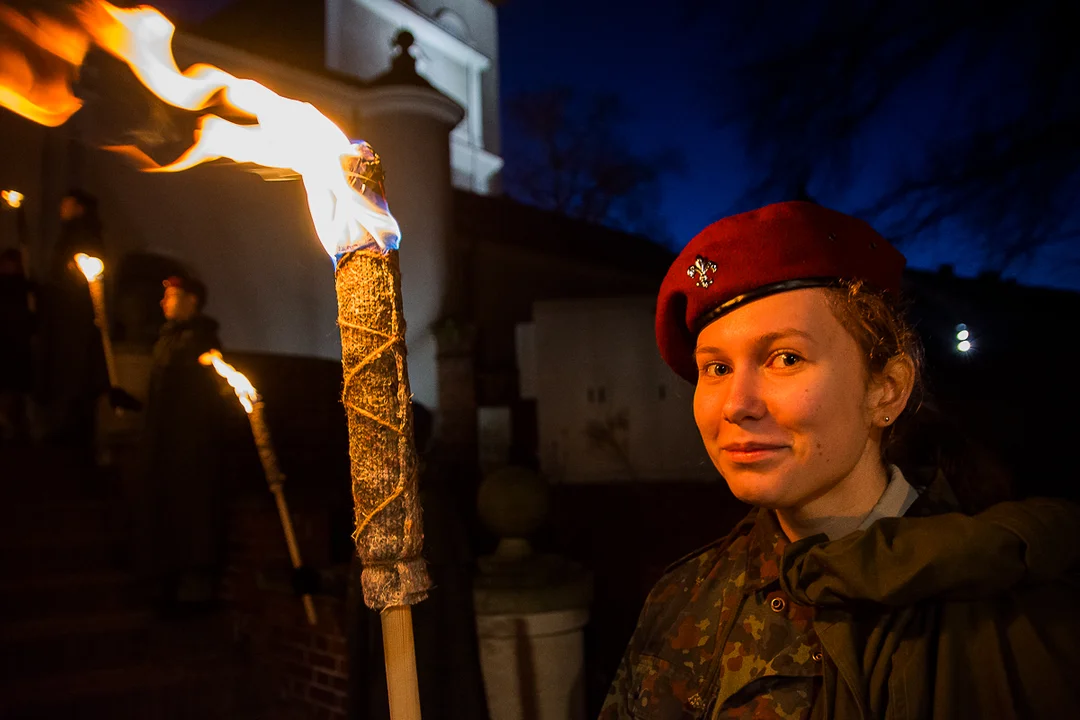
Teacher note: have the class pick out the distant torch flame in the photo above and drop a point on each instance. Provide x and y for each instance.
(289, 135)
(13, 198)
(90, 266)
(245, 391)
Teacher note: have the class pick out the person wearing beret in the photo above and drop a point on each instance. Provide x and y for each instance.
(180, 538)
(855, 588)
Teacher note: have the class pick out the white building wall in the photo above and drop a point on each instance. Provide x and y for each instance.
(597, 367)
(456, 52)
(482, 20)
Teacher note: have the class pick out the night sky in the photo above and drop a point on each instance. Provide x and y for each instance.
(658, 63)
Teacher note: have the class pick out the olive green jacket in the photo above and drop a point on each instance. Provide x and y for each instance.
(932, 615)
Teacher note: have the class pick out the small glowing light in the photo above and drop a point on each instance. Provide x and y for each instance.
(960, 327)
(13, 198)
(91, 267)
(963, 335)
(963, 346)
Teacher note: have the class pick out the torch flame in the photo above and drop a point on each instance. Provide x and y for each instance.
(90, 266)
(289, 135)
(13, 198)
(39, 57)
(245, 391)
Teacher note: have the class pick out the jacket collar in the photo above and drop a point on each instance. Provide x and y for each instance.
(765, 547)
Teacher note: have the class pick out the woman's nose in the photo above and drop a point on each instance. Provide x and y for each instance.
(744, 401)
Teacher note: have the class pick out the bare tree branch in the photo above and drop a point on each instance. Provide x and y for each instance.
(565, 153)
(811, 86)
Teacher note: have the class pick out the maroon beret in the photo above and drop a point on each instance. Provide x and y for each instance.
(744, 257)
(188, 284)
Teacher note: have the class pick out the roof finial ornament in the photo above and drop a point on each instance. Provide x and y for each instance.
(403, 65)
(403, 41)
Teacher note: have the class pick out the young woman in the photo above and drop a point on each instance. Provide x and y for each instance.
(852, 590)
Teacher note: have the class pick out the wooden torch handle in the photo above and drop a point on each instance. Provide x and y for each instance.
(400, 656)
(294, 549)
(97, 297)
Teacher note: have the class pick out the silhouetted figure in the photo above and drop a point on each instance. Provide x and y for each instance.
(17, 325)
(80, 231)
(75, 374)
(182, 516)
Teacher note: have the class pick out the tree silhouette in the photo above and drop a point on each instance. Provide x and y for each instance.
(565, 153)
(995, 150)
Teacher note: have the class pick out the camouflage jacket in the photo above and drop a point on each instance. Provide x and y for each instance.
(935, 614)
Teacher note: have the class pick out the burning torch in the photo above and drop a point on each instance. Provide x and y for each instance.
(14, 200)
(252, 403)
(93, 268)
(343, 181)
(377, 400)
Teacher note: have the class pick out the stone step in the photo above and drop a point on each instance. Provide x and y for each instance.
(93, 531)
(32, 597)
(61, 516)
(89, 641)
(33, 561)
(43, 471)
(45, 629)
(186, 688)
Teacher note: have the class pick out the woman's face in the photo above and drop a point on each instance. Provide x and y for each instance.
(784, 401)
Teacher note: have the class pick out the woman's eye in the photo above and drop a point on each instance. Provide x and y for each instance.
(715, 369)
(786, 360)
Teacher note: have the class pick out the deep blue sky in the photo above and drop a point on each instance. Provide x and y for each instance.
(587, 46)
(651, 59)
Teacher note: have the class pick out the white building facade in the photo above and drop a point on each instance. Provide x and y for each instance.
(457, 52)
(609, 409)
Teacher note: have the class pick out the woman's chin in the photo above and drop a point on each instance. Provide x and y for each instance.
(769, 490)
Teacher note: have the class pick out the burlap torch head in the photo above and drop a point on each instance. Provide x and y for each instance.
(389, 530)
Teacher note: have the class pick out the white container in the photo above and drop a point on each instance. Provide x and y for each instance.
(533, 664)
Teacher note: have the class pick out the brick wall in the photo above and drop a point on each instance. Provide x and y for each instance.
(304, 666)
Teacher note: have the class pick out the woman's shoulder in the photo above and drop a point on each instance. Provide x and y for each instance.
(703, 575)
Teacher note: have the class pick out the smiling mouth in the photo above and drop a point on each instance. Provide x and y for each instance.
(746, 453)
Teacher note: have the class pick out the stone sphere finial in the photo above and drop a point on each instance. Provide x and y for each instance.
(403, 41)
(513, 504)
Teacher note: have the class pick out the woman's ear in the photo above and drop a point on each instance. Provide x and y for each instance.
(890, 390)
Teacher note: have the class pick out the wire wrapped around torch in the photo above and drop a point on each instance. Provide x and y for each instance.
(377, 399)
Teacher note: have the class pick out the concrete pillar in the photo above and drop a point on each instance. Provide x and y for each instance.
(409, 126)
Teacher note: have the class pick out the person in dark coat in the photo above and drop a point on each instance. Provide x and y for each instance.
(75, 376)
(855, 588)
(18, 317)
(185, 417)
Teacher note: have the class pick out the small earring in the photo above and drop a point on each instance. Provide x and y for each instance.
(886, 419)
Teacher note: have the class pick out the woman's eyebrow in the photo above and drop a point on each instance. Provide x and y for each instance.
(766, 339)
(784, 333)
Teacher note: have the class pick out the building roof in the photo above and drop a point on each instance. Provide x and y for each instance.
(503, 221)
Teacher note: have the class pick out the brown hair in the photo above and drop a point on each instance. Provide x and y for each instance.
(880, 327)
(922, 437)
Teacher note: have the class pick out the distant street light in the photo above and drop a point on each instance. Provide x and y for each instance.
(963, 337)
